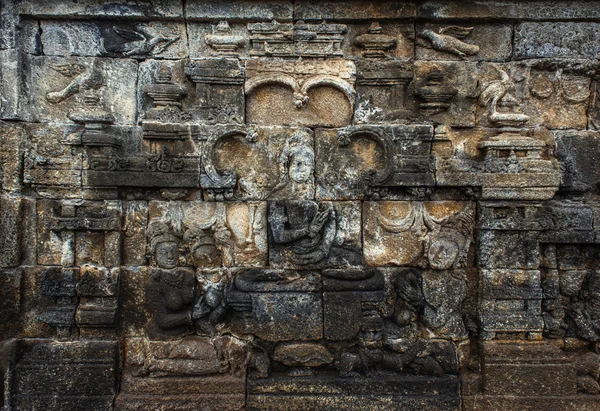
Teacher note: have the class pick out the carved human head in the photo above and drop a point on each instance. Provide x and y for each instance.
(443, 252)
(448, 246)
(300, 157)
(202, 249)
(164, 246)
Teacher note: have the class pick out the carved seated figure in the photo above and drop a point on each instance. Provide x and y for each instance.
(170, 290)
(203, 250)
(304, 232)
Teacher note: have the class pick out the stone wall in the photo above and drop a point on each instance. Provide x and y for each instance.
(300, 205)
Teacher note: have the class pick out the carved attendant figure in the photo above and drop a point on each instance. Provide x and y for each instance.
(444, 288)
(170, 290)
(211, 307)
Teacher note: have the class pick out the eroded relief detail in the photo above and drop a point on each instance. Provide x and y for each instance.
(299, 205)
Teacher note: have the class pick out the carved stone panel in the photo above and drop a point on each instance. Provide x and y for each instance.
(300, 205)
(418, 234)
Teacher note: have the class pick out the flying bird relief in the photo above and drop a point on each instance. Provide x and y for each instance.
(139, 43)
(448, 40)
(84, 79)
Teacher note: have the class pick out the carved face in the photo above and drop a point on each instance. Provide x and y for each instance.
(167, 254)
(301, 165)
(442, 253)
(206, 255)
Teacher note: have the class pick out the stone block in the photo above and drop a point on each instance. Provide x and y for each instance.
(10, 232)
(354, 10)
(183, 374)
(556, 40)
(239, 10)
(388, 392)
(348, 297)
(163, 40)
(399, 233)
(511, 9)
(97, 8)
(278, 305)
(267, 162)
(577, 152)
(444, 93)
(376, 39)
(214, 233)
(488, 42)
(368, 161)
(10, 302)
(55, 375)
(11, 90)
(527, 369)
(60, 83)
(224, 38)
(11, 156)
(8, 25)
(545, 95)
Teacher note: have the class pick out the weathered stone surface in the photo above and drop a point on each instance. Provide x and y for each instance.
(319, 10)
(379, 39)
(366, 161)
(96, 8)
(10, 221)
(508, 9)
(300, 93)
(396, 233)
(567, 40)
(577, 152)
(11, 156)
(278, 305)
(63, 375)
(180, 374)
(239, 9)
(222, 38)
(214, 233)
(11, 91)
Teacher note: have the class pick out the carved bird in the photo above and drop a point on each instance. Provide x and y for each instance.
(496, 90)
(141, 43)
(448, 40)
(85, 79)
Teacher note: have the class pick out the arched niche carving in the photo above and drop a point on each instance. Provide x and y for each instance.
(283, 99)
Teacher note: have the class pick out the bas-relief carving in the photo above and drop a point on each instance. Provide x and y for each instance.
(138, 43)
(449, 39)
(60, 82)
(366, 161)
(387, 211)
(300, 92)
(307, 234)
